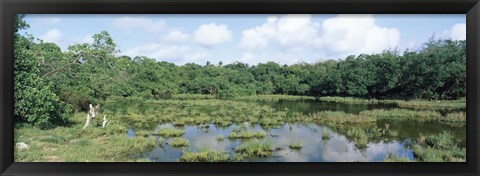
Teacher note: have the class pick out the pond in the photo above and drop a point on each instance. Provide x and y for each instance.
(340, 147)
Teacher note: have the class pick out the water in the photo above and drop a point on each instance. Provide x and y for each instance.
(340, 148)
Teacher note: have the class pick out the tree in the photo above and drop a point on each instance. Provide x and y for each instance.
(35, 101)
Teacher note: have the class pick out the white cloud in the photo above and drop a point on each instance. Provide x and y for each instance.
(288, 32)
(129, 23)
(336, 37)
(53, 35)
(176, 36)
(171, 53)
(356, 34)
(458, 31)
(212, 34)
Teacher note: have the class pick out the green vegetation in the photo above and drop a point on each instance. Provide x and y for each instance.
(295, 146)
(439, 148)
(179, 142)
(170, 132)
(325, 135)
(205, 156)
(220, 138)
(455, 117)
(274, 98)
(72, 144)
(54, 87)
(246, 135)
(395, 158)
(255, 148)
(403, 114)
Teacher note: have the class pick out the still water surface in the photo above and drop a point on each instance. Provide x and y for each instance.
(337, 149)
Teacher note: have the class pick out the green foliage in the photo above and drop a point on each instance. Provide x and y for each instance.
(179, 142)
(439, 148)
(34, 97)
(255, 148)
(205, 156)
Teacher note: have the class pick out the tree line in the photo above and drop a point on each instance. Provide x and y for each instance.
(51, 83)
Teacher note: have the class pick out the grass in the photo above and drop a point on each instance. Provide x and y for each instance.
(246, 135)
(395, 158)
(220, 138)
(111, 143)
(179, 142)
(439, 148)
(295, 146)
(255, 148)
(455, 117)
(433, 105)
(337, 117)
(73, 144)
(142, 133)
(205, 156)
(274, 98)
(325, 135)
(170, 132)
(352, 100)
(403, 114)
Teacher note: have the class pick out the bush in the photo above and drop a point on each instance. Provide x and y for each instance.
(34, 99)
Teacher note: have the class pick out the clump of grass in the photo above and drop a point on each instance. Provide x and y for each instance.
(170, 132)
(205, 156)
(274, 98)
(433, 105)
(220, 138)
(439, 148)
(255, 148)
(295, 146)
(352, 100)
(142, 133)
(402, 114)
(455, 117)
(325, 135)
(395, 158)
(246, 135)
(338, 117)
(179, 142)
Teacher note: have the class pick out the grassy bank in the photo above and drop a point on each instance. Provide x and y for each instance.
(72, 144)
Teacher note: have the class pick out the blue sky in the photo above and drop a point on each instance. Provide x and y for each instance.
(286, 39)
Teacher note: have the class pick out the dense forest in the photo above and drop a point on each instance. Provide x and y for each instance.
(51, 83)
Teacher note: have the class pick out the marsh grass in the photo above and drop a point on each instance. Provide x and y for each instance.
(179, 142)
(246, 135)
(295, 146)
(170, 132)
(220, 138)
(205, 156)
(442, 147)
(403, 114)
(434, 105)
(325, 135)
(455, 117)
(391, 157)
(255, 148)
(275, 98)
(352, 100)
(73, 144)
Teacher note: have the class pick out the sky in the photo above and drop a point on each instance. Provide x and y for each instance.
(249, 38)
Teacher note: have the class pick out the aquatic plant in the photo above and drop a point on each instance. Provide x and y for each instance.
(325, 135)
(205, 156)
(246, 135)
(170, 132)
(179, 142)
(295, 146)
(255, 148)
